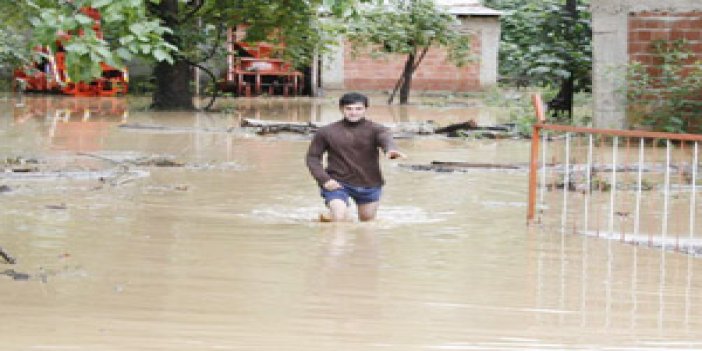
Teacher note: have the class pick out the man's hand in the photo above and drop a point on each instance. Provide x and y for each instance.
(332, 185)
(394, 154)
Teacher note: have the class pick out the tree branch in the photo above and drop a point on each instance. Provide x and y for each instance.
(212, 77)
(216, 43)
(192, 12)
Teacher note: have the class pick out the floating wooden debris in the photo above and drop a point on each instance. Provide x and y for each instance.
(137, 160)
(472, 129)
(441, 166)
(74, 175)
(264, 127)
(411, 128)
(19, 164)
(15, 275)
(158, 161)
(6, 256)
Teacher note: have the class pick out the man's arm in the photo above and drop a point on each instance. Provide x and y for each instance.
(314, 159)
(384, 139)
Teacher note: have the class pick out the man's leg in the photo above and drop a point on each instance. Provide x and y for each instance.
(337, 211)
(367, 212)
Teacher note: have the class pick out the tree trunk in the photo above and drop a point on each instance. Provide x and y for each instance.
(172, 87)
(562, 104)
(172, 81)
(407, 79)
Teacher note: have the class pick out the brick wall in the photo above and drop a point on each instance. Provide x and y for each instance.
(434, 73)
(646, 27)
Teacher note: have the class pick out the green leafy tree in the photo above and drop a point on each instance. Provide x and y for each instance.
(13, 44)
(197, 28)
(130, 32)
(13, 50)
(177, 34)
(546, 43)
(409, 28)
(199, 33)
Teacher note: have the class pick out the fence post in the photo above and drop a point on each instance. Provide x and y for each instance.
(533, 164)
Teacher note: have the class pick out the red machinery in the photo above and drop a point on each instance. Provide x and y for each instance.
(254, 70)
(49, 74)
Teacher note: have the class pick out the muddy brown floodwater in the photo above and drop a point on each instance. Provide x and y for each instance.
(222, 253)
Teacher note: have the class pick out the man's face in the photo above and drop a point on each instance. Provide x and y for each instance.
(354, 112)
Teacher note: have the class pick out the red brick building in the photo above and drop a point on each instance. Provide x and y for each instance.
(342, 70)
(646, 27)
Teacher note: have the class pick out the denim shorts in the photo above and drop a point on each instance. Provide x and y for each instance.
(361, 195)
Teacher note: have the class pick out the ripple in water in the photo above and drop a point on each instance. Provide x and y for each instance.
(388, 216)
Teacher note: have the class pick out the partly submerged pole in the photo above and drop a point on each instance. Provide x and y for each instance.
(566, 183)
(533, 164)
(637, 214)
(693, 204)
(588, 181)
(666, 189)
(613, 187)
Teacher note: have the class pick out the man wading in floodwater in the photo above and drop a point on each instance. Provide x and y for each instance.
(353, 165)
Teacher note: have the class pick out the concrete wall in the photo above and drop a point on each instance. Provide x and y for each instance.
(621, 30)
(488, 29)
(342, 70)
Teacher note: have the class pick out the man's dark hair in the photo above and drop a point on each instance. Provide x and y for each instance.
(353, 98)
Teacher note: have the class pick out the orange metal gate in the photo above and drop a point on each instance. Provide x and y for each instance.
(637, 186)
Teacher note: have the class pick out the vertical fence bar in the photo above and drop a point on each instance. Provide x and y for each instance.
(666, 189)
(588, 181)
(625, 216)
(675, 222)
(533, 164)
(544, 146)
(670, 221)
(693, 200)
(637, 215)
(598, 202)
(566, 183)
(613, 188)
(576, 152)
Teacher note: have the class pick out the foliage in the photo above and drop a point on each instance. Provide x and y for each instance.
(542, 43)
(13, 45)
(131, 33)
(409, 28)
(193, 32)
(13, 50)
(296, 25)
(666, 97)
(406, 26)
(199, 26)
(520, 111)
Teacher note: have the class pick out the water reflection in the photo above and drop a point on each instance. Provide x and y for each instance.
(345, 286)
(609, 285)
(73, 124)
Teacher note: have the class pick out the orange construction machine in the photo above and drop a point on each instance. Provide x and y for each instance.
(49, 74)
(253, 69)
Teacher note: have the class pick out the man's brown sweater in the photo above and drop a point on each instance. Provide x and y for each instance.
(352, 152)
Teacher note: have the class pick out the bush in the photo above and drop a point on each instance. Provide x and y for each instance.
(666, 97)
